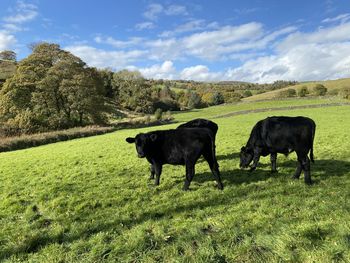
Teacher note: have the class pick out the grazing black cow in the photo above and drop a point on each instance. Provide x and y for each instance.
(178, 147)
(200, 123)
(281, 135)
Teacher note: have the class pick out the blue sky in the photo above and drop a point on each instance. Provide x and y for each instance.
(256, 41)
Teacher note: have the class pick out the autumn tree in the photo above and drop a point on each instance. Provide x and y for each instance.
(134, 93)
(52, 89)
(8, 55)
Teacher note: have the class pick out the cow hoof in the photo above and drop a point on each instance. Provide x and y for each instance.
(220, 187)
(295, 177)
(309, 182)
(185, 188)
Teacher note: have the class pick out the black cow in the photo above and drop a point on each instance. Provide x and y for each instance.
(200, 123)
(281, 135)
(178, 147)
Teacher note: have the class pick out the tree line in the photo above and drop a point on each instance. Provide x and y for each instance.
(53, 89)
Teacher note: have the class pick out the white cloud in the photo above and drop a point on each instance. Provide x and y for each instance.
(193, 25)
(333, 34)
(163, 71)
(118, 43)
(303, 62)
(200, 73)
(174, 10)
(144, 25)
(12, 28)
(24, 12)
(102, 58)
(286, 53)
(340, 18)
(7, 41)
(153, 10)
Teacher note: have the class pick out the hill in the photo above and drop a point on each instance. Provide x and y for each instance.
(331, 85)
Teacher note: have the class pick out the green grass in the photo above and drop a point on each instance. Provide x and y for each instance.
(215, 111)
(331, 85)
(89, 200)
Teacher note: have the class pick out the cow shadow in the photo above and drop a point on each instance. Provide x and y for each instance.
(230, 156)
(320, 170)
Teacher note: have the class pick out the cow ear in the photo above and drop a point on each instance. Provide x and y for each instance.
(153, 137)
(130, 140)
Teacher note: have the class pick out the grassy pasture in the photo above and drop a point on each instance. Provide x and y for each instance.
(331, 85)
(89, 200)
(215, 111)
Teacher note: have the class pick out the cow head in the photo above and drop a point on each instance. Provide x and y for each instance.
(142, 142)
(246, 155)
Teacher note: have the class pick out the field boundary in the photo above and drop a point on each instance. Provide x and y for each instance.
(242, 112)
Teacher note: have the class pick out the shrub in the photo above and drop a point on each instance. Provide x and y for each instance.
(345, 93)
(166, 104)
(207, 98)
(194, 100)
(218, 98)
(158, 114)
(167, 116)
(333, 92)
(232, 97)
(287, 93)
(320, 90)
(303, 91)
(247, 93)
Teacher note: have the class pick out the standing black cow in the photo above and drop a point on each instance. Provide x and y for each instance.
(200, 123)
(281, 135)
(178, 147)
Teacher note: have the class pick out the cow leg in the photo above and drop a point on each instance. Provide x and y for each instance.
(152, 172)
(273, 158)
(256, 159)
(189, 175)
(298, 170)
(158, 171)
(306, 167)
(214, 167)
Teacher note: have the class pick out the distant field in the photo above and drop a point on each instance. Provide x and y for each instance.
(89, 200)
(329, 84)
(215, 111)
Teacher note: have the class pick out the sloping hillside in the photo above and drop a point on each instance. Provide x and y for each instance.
(329, 84)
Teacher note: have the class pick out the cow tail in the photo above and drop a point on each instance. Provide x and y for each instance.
(312, 143)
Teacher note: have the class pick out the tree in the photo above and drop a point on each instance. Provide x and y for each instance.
(320, 90)
(107, 78)
(302, 92)
(287, 93)
(8, 55)
(134, 91)
(345, 93)
(194, 100)
(247, 93)
(52, 89)
(218, 98)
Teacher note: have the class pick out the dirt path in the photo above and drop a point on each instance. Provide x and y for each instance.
(282, 109)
